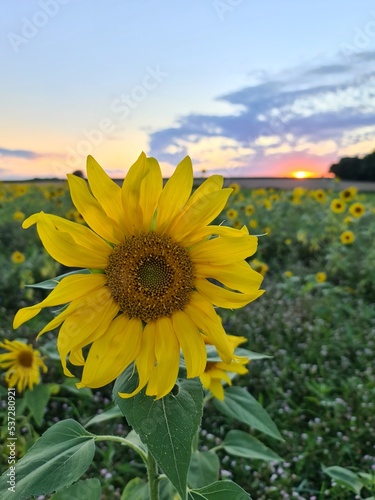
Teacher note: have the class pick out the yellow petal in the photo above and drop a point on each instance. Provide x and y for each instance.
(175, 194)
(214, 230)
(76, 358)
(225, 298)
(69, 243)
(68, 289)
(204, 316)
(210, 185)
(167, 350)
(199, 214)
(205, 379)
(218, 374)
(238, 276)
(222, 251)
(217, 389)
(131, 192)
(145, 360)
(105, 190)
(86, 324)
(92, 211)
(191, 342)
(151, 187)
(113, 352)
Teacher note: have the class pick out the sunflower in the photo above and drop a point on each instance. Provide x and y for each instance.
(232, 213)
(155, 262)
(249, 210)
(337, 206)
(347, 237)
(321, 277)
(216, 372)
(357, 209)
(18, 215)
(17, 257)
(319, 195)
(349, 193)
(22, 363)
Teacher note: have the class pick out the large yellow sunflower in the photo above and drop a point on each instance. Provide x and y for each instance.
(23, 364)
(154, 262)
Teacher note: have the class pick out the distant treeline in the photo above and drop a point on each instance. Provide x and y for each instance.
(355, 169)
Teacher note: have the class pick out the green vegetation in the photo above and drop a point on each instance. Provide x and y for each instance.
(316, 319)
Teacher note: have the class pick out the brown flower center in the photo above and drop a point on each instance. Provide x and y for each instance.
(150, 276)
(25, 359)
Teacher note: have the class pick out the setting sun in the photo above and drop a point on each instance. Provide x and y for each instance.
(302, 174)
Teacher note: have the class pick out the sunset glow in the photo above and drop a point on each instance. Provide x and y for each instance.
(302, 174)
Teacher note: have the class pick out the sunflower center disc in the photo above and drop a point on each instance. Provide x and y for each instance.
(150, 276)
(25, 359)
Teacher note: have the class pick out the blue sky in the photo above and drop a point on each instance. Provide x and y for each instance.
(246, 88)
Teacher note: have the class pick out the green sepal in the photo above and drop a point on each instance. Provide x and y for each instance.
(53, 282)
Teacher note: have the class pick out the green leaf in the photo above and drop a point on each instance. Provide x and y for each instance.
(53, 282)
(88, 489)
(345, 477)
(113, 412)
(204, 469)
(241, 405)
(59, 458)
(241, 444)
(220, 490)
(213, 356)
(136, 489)
(37, 399)
(166, 426)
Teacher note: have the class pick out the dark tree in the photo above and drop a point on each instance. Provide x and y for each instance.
(355, 169)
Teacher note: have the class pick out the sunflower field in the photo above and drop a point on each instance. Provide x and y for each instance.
(316, 323)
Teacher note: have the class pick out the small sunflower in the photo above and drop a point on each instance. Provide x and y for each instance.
(18, 215)
(17, 257)
(337, 206)
(236, 187)
(288, 274)
(216, 372)
(232, 214)
(23, 364)
(347, 237)
(321, 277)
(357, 209)
(153, 258)
(319, 195)
(349, 193)
(249, 210)
(260, 267)
(253, 224)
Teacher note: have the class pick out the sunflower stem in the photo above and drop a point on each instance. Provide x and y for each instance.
(152, 477)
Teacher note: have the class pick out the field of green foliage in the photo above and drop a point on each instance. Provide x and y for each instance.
(317, 254)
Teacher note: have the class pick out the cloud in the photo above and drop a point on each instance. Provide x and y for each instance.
(19, 153)
(315, 104)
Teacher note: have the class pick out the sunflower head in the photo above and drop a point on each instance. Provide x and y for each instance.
(153, 270)
(22, 364)
(347, 237)
(357, 209)
(337, 206)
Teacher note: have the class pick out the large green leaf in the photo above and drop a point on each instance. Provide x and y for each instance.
(345, 477)
(59, 458)
(166, 426)
(220, 490)
(204, 469)
(88, 489)
(241, 444)
(241, 405)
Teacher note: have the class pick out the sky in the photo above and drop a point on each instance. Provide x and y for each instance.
(258, 88)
